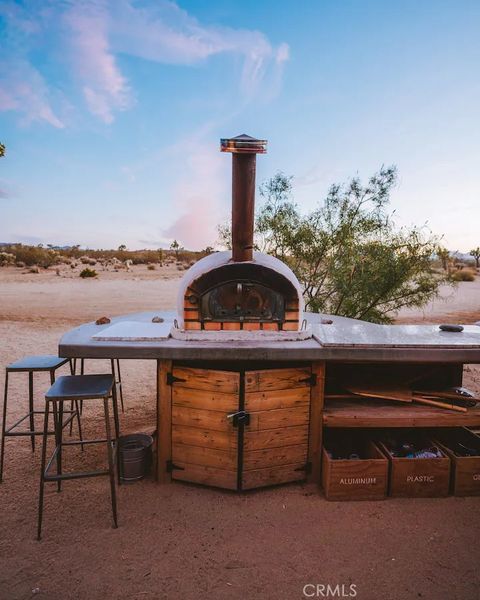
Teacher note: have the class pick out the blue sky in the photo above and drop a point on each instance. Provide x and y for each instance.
(112, 111)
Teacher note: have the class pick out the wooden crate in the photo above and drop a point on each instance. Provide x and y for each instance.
(418, 477)
(465, 470)
(352, 479)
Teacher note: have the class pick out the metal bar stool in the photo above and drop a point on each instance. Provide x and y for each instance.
(31, 365)
(78, 388)
(115, 366)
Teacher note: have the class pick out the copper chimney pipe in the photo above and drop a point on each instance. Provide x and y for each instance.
(244, 150)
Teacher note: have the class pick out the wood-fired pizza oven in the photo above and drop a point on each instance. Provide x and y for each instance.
(242, 289)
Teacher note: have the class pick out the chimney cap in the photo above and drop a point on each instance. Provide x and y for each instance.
(243, 144)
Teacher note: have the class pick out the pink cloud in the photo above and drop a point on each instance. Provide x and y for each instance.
(104, 87)
(200, 194)
(193, 229)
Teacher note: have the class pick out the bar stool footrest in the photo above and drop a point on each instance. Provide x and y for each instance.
(79, 475)
(10, 433)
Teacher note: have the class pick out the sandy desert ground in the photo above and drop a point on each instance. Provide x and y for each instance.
(189, 542)
(460, 304)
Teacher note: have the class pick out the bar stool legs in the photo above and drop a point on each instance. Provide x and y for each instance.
(30, 408)
(4, 418)
(117, 427)
(111, 469)
(42, 471)
(118, 379)
(115, 413)
(75, 404)
(66, 389)
(59, 444)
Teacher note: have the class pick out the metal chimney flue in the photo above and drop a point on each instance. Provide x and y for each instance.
(244, 150)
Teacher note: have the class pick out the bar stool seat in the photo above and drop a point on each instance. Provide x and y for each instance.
(80, 387)
(75, 388)
(45, 362)
(115, 366)
(32, 364)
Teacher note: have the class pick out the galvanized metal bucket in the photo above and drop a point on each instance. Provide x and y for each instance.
(135, 456)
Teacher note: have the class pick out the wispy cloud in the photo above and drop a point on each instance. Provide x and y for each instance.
(104, 88)
(23, 89)
(92, 34)
(22, 86)
(167, 34)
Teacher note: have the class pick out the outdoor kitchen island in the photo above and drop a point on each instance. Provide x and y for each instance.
(246, 414)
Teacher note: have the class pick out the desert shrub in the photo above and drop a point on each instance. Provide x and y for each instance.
(88, 273)
(6, 259)
(34, 269)
(464, 275)
(86, 260)
(34, 255)
(141, 257)
(151, 267)
(20, 264)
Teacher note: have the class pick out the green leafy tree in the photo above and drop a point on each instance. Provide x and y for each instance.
(476, 255)
(347, 254)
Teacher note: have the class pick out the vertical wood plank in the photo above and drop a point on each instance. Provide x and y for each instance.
(164, 421)
(316, 425)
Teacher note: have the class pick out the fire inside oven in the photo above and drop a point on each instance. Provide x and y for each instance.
(243, 301)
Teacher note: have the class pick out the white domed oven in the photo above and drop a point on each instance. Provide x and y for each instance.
(241, 289)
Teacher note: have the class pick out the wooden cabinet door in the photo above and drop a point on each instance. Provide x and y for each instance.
(204, 440)
(275, 442)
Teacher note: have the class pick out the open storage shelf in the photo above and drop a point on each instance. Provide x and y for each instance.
(377, 413)
(343, 410)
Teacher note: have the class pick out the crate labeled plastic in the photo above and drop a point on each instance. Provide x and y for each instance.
(419, 468)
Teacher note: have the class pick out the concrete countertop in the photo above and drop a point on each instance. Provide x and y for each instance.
(346, 340)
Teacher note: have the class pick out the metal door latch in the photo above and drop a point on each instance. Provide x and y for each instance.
(239, 418)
